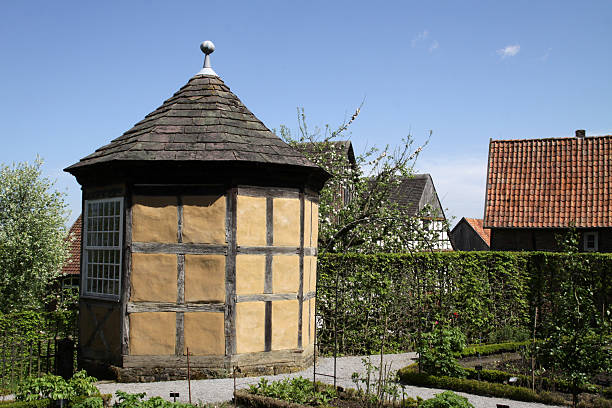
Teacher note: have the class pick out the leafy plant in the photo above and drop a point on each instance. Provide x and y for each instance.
(90, 402)
(298, 390)
(437, 348)
(379, 385)
(447, 399)
(55, 387)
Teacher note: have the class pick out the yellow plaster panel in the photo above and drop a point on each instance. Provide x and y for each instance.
(152, 333)
(250, 274)
(305, 324)
(285, 273)
(307, 223)
(310, 273)
(154, 278)
(110, 329)
(315, 225)
(205, 278)
(312, 318)
(284, 324)
(286, 221)
(154, 219)
(250, 327)
(204, 219)
(251, 221)
(204, 333)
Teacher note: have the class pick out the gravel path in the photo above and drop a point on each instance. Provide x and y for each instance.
(219, 390)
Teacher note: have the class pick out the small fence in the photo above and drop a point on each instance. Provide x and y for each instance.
(33, 344)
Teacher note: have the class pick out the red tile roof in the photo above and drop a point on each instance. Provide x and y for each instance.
(72, 266)
(549, 183)
(476, 224)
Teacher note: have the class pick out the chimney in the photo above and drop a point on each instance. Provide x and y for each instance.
(580, 133)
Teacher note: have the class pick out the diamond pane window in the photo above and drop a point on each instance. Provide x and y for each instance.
(102, 248)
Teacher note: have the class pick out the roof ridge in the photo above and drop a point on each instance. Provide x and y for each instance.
(550, 138)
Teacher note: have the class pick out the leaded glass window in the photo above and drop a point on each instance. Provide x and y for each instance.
(103, 232)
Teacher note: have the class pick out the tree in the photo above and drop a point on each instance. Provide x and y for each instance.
(576, 344)
(32, 236)
(356, 210)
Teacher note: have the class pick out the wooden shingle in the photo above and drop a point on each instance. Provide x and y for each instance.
(202, 122)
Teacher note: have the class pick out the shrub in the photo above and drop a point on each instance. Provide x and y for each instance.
(409, 376)
(297, 390)
(487, 349)
(447, 399)
(55, 387)
(436, 351)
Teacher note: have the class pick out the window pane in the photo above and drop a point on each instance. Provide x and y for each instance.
(102, 245)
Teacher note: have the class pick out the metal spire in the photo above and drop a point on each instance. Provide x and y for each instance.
(207, 48)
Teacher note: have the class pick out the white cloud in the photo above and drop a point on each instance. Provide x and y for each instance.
(509, 50)
(422, 40)
(434, 45)
(422, 36)
(545, 56)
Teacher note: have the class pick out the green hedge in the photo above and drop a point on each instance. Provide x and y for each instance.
(486, 294)
(43, 403)
(411, 377)
(488, 349)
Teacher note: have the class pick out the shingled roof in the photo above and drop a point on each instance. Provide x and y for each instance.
(72, 265)
(549, 183)
(477, 226)
(414, 193)
(204, 121)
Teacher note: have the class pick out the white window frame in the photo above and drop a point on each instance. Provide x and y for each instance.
(86, 247)
(595, 236)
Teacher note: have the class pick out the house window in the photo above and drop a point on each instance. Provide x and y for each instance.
(590, 241)
(102, 248)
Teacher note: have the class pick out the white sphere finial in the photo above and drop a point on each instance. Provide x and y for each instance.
(207, 48)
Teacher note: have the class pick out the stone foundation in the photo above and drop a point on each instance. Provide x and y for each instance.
(175, 368)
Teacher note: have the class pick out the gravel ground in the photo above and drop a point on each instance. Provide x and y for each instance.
(219, 390)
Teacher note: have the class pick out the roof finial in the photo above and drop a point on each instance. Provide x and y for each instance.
(207, 48)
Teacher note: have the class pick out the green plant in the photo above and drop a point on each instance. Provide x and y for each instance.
(379, 385)
(575, 345)
(487, 290)
(436, 351)
(447, 399)
(487, 349)
(32, 236)
(298, 390)
(89, 402)
(509, 334)
(49, 386)
(55, 387)
(41, 403)
(409, 376)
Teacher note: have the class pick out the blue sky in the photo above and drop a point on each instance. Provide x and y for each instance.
(76, 74)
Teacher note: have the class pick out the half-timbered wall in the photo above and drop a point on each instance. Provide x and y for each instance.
(221, 274)
(178, 267)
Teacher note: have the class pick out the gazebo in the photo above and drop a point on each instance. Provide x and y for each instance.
(200, 235)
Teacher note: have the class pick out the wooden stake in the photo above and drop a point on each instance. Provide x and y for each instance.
(188, 375)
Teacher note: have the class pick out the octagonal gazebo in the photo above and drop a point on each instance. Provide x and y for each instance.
(199, 234)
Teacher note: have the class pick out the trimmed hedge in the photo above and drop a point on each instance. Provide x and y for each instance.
(485, 294)
(408, 376)
(488, 349)
(42, 403)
